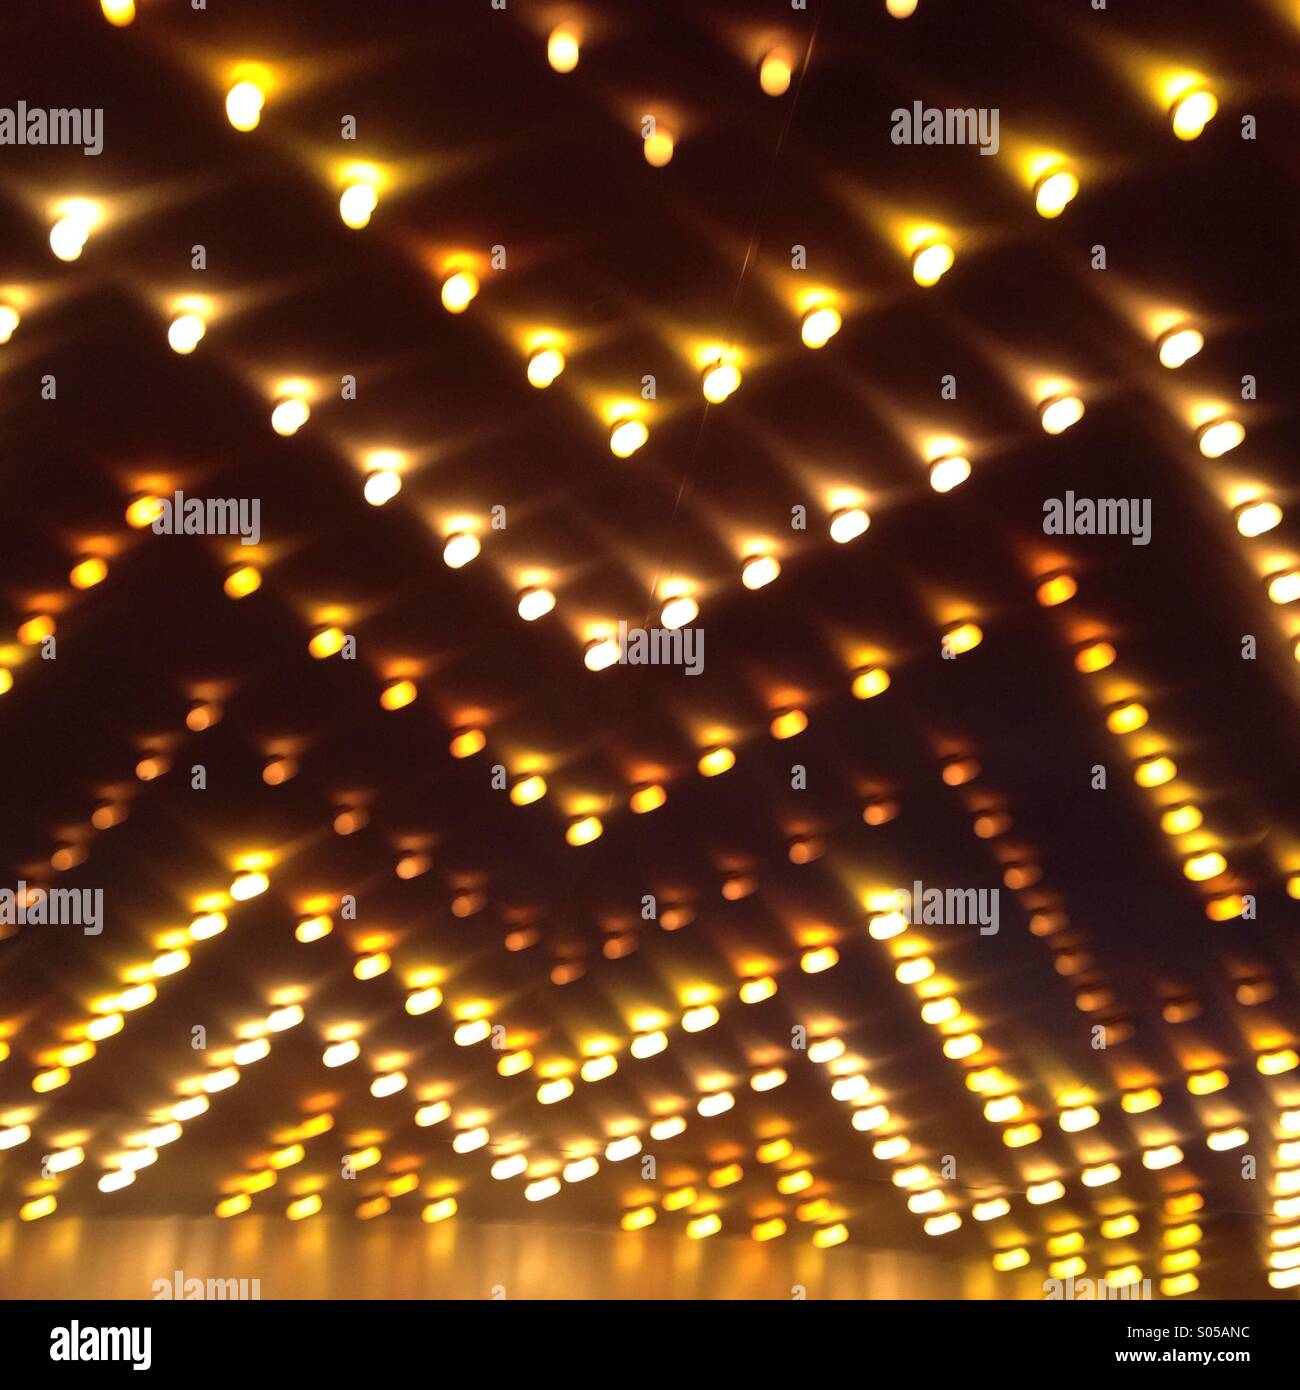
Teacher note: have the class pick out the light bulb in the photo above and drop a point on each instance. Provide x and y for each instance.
(458, 291)
(1053, 192)
(544, 366)
(820, 325)
(185, 333)
(356, 203)
(1178, 345)
(719, 381)
(1192, 112)
(848, 523)
(244, 102)
(289, 415)
(948, 473)
(460, 549)
(1058, 413)
(627, 436)
(931, 262)
(563, 48)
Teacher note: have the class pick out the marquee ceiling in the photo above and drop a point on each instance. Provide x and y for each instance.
(827, 1072)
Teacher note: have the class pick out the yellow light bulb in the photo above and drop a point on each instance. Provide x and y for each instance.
(563, 48)
(460, 549)
(719, 381)
(848, 523)
(544, 366)
(87, 573)
(775, 72)
(398, 694)
(1053, 192)
(1219, 436)
(1058, 413)
(820, 325)
(356, 204)
(931, 262)
(242, 581)
(458, 291)
(1192, 112)
(627, 436)
(185, 333)
(1255, 518)
(381, 486)
(759, 570)
(658, 147)
(1178, 345)
(244, 102)
(535, 603)
(290, 415)
(948, 473)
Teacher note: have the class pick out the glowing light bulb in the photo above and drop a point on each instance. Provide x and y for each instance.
(658, 147)
(1254, 518)
(244, 102)
(931, 262)
(848, 524)
(458, 291)
(716, 761)
(1057, 589)
(290, 415)
(759, 570)
(185, 333)
(242, 581)
(398, 694)
(948, 473)
(1094, 656)
(627, 436)
(249, 885)
(460, 549)
(1058, 413)
(357, 203)
(1178, 345)
(563, 48)
(820, 324)
(601, 652)
(1124, 718)
(870, 683)
(1179, 820)
(1203, 866)
(679, 611)
(77, 219)
(544, 366)
(382, 485)
(647, 798)
(326, 641)
(1054, 192)
(9, 320)
(961, 637)
(901, 9)
(142, 511)
(719, 381)
(1219, 436)
(528, 789)
(1284, 587)
(535, 603)
(85, 574)
(119, 13)
(1155, 772)
(584, 830)
(1192, 112)
(775, 72)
